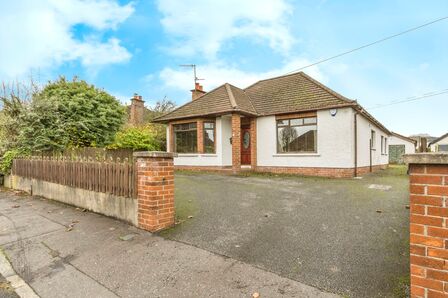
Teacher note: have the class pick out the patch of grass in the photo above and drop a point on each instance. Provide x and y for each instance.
(185, 206)
(6, 286)
(393, 170)
(402, 286)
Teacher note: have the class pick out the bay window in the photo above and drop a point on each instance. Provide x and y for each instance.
(185, 138)
(209, 137)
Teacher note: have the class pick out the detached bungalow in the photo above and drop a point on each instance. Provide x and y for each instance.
(287, 124)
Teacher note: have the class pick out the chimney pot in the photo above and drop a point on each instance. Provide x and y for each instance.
(198, 86)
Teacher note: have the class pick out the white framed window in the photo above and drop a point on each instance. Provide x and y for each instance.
(297, 135)
(185, 138)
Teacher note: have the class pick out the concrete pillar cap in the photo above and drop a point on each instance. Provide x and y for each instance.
(426, 158)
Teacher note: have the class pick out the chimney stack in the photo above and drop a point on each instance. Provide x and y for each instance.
(137, 109)
(197, 91)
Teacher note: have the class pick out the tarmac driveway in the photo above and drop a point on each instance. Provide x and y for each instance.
(338, 235)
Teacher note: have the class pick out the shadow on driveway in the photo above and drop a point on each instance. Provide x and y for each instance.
(335, 234)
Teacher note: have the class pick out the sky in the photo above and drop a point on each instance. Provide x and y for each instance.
(127, 47)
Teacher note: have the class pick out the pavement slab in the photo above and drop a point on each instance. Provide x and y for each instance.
(91, 260)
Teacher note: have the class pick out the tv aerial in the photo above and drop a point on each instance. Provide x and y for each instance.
(193, 66)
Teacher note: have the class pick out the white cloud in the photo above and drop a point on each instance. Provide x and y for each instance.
(216, 74)
(202, 26)
(39, 34)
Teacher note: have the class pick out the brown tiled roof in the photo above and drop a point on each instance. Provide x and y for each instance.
(242, 100)
(224, 99)
(293, 93)
(280, 95)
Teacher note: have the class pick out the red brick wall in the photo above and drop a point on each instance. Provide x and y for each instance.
(365, 170)
(253, 142)
(200, 135)
(155, 190)
(171, 138)
(236, 143)
(429, 230)
(322, 172)
(222, 169)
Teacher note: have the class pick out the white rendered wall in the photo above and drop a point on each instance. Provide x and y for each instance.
(444, 141)
(335, 145)
(226, 133)
(409, 147)
(223, 132)
(364, 128)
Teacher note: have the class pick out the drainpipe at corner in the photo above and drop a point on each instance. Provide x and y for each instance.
(356, 142)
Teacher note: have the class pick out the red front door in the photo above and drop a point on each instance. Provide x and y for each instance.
(245, 146)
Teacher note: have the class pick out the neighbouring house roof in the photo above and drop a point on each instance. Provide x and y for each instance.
(403, 137)
(291, 93)
(438, 139)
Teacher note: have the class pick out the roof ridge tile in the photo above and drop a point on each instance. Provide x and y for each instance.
(231, 97)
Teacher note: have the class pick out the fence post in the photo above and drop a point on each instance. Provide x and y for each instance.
(155, 190)
(428, 176)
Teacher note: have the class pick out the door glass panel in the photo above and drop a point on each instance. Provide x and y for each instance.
(246, 140)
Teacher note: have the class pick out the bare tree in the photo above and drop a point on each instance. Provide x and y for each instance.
(163, 106)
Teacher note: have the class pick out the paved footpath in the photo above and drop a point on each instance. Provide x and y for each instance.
(61, 251)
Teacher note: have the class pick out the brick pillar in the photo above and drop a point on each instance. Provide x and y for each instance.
(155, 190)
(236, 143)
(200, 135)
(171, 138)
(428, 224)
(253, 143)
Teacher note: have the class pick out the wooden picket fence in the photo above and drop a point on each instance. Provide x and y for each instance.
(112, 176)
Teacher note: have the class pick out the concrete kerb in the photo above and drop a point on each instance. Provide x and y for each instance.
(17, 283)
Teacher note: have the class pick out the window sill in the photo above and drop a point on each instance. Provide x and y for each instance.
(187, 154)
(197, 155)
(295, 154)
